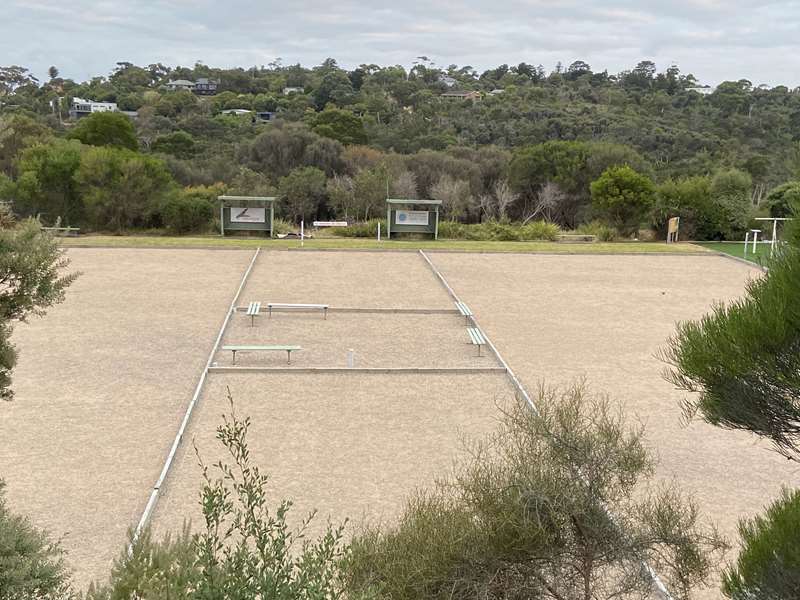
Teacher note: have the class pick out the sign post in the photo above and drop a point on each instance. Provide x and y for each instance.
(412, 216)
(246, 214)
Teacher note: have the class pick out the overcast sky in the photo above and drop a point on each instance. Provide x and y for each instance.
(713, 39)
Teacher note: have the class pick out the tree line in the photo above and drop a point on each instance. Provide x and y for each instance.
(347, 139)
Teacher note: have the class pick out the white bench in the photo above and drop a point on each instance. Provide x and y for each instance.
(330, 223)
(287, 349)
(476, 338)
(464, 310)
(252, 311)
(322, 307)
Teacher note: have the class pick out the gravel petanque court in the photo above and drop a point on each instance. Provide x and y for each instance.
(558, 318)
(104, 380)
(345, 279)
(350, 445)
(101, 386)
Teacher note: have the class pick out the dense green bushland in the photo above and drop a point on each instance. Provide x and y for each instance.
(350, 138)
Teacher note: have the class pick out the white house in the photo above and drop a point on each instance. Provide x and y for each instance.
(703, 90)
(180, 84)
(292, 90)
(81, 107)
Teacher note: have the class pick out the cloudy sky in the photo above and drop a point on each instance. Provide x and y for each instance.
(713, 39)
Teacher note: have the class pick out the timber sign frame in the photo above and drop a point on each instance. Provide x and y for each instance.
(246, 213)
(412, 216)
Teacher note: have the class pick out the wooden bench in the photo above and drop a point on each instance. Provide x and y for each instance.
(464, 310)
(287, 349)
(576, 238)
(63, 231)
(322, 307)
(476, 338)
(252, 311)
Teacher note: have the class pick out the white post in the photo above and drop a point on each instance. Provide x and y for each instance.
(379, 231)
(302, 233)
(350, 358)
(755, 240)
(774, 237)
(746, 240)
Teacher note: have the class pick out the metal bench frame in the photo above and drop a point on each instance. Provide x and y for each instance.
(247, 348)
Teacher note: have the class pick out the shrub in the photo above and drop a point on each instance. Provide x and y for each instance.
(780, 199)
(515, 521)
(247, 548)
(368, 229)
(31, 565)
(601, 231)
(187, 214)
(452, 230)
(769, 563)
(730, 192)
(540, 230)
(623, 196)
(282, 226)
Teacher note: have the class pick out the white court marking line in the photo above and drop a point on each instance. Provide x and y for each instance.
(154, 493)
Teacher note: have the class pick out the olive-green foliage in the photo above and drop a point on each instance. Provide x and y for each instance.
(121, 188)
(742, 359)
(690, 199)
(106, 129)
(730, 191)
(32, 271)
(301, 191)
(780, 199)
(768, 566)
(340, 125)
(179, 144)
(246, 548)
(18, 132)
(499, 231)
(602, 231)
(367, 229)
(623, 196)
(46, 183)
(31, 564)
(525, 516)
(184, 213)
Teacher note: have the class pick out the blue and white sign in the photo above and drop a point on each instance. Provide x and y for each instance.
(411, 217)
(248, 215)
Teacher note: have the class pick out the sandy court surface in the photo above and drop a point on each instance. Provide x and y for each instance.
(378, 340)
(345, 279)
(556, 318)
(348, 445)
(101, 386)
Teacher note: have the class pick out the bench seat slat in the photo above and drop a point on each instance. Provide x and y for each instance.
(255, 348)
(283, 305)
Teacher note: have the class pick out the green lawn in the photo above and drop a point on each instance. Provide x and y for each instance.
(143, 241)
(737, 249)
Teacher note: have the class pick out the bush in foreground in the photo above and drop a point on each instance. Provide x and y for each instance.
(528, 516)
(247, 549)
(31, 565)
(768, 566)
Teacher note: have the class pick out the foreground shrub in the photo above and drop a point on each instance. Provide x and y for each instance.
(187, 214)
(769, 563)
(526, 517)
(247, 549)
(31, 565)
(741, 362)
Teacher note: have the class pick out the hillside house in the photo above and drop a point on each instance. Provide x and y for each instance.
(81, 107)
(461, 96)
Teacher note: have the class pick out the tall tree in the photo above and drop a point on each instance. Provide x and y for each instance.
(106, 129)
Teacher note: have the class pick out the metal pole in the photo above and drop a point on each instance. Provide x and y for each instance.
(379, 231)
(301, 232)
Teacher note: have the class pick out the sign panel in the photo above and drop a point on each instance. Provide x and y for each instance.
(411, 217)
(248, 215)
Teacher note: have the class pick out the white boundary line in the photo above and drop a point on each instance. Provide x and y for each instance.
(154, 493)
(661, 589)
